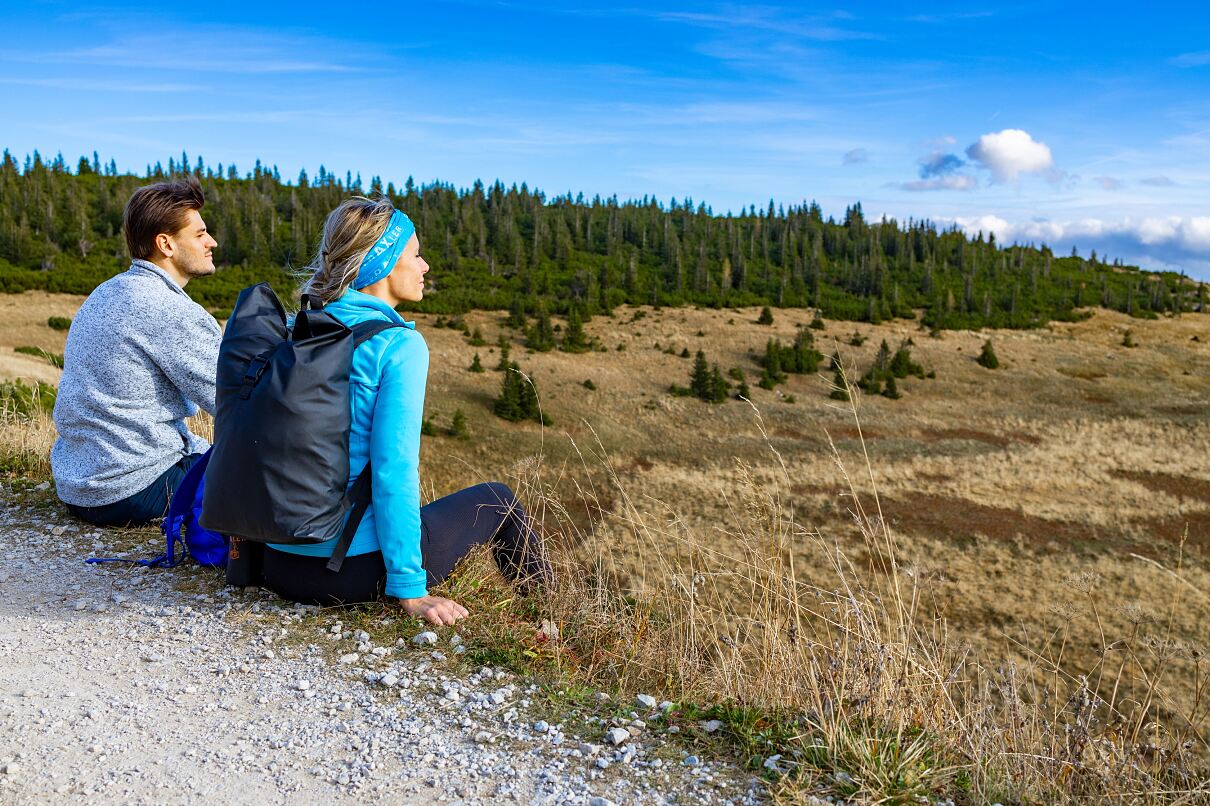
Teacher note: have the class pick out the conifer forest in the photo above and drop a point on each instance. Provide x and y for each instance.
(497, 247)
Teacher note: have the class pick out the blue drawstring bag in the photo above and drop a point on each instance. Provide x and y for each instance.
(181, 527)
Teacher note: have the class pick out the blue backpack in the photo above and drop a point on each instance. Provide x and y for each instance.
(181, 527)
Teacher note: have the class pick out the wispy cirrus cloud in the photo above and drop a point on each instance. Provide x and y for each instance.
(855, 156)
(1197, 59)
(89, 85)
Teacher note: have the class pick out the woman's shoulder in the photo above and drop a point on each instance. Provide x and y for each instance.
(401, 346)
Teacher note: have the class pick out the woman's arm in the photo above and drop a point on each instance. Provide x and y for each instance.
(395, 458)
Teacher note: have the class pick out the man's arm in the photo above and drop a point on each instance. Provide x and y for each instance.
(186, 351)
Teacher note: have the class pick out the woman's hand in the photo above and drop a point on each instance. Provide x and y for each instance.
(434, 609)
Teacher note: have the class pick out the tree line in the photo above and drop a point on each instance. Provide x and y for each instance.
(497, 247)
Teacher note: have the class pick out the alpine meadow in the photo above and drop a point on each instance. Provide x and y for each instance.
(905, 515)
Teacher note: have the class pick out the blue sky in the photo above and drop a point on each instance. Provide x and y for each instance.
(1041, 122)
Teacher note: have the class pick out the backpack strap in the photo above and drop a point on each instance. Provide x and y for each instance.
(364, 331)
(359, 496)
(361, 493)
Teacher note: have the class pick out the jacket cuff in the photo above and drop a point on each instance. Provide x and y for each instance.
(407, 586)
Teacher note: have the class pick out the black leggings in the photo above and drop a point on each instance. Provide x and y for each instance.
(449, 528)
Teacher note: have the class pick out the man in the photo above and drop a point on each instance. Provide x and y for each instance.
(141, 357)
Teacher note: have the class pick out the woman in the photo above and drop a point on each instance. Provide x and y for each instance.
(369, 261)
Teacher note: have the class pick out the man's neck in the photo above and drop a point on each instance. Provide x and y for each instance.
(171, 270)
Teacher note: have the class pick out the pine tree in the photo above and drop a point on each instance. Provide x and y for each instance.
(541, 335)
(574, 339)
(458, 427)
(477, 338)
(743, 392)
(504, 351)
(892, 389)
(699, 377)
(840, 389)
(766, 316)
(518, 399)
(817, 323)
(516, 315)
(475, 365)
(987, 357)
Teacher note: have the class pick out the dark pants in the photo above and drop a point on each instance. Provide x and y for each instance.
(449, 528)
(142, 507)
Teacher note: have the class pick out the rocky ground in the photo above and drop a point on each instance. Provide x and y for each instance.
(126, 685)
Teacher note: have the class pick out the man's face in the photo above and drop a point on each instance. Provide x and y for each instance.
(192, 247)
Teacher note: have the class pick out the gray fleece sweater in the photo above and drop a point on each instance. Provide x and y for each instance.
(141, 357)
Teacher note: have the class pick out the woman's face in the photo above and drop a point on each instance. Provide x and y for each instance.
(405, 283)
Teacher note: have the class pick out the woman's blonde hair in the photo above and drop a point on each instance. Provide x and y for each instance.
(349, 232)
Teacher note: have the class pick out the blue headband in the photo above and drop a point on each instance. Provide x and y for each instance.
(382, 256)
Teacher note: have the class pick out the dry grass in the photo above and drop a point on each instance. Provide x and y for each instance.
(1006, 602)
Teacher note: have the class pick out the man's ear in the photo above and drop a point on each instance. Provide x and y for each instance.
(164, 244)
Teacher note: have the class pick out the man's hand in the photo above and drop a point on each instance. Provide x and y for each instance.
(434, 609)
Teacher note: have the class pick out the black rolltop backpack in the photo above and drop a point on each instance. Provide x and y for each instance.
(279, 468)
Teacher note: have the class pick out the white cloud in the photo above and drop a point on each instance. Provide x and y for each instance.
(1010, 153)
(1172, 242)
(1157, 181)
(1109, 182)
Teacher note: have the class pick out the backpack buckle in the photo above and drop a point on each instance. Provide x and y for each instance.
(256, 368)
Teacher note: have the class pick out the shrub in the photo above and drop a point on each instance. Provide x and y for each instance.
(589, 385)
(475, 365)
(766, 316)
(58, 323)
(23, 400)
(1128, 339)
(817, 322)
(37, 352)
(427, 428)
(735, 373)
(856, 340)
(987, 357)
(476, 339)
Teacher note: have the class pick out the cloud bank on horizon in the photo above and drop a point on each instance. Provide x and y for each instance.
(984, 120)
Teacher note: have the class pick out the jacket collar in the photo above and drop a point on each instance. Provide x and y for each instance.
(355, 301)
(140, 266)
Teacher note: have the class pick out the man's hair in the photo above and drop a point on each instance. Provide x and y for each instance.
(157, 208)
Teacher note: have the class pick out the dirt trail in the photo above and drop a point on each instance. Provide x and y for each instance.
(118, 687)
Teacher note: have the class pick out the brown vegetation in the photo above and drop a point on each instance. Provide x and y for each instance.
(1008, 600)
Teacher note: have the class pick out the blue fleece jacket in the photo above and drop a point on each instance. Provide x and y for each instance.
(386, 388)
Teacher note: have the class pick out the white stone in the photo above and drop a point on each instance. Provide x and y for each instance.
(352, 657)
(302, 684)
(455, 639)
(426, 638)
(389, 680)
(540, 726)
(646, 700)
(483, 737)
(616, 736)
(711, 725)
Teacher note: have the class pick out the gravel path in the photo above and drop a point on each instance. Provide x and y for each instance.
(123, 685)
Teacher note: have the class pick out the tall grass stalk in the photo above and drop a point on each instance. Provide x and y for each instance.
(856, 683)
